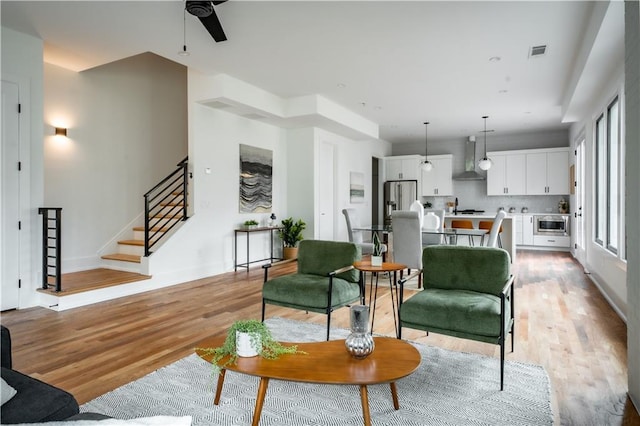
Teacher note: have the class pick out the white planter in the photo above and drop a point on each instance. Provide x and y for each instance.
(244, 346)
(376, 260)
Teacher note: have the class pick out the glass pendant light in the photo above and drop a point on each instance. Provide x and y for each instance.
(485, 163)
(426, 165)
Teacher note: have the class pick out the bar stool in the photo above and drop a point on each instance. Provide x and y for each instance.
(463, 224)
(487, 224)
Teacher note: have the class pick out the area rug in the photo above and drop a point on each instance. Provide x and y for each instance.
(449, 388)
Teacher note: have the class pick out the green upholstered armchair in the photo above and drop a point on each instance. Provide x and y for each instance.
(326, 279)
(468, 293)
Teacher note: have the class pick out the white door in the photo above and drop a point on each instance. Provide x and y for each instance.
(326, 203)
(10, 207)
(578, 221)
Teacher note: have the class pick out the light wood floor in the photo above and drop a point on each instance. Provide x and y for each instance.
(562, 323)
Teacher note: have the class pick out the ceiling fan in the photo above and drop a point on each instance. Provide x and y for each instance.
(207, 15)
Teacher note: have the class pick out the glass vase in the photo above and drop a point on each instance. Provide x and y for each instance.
(359, 343)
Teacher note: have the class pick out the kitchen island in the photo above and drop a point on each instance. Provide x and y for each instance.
(508, 230)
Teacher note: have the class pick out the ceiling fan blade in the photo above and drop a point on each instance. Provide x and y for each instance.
(217, 2)
(213, 25)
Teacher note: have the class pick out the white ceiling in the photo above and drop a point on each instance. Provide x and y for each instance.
(395, 63)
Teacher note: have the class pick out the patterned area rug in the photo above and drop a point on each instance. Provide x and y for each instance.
(449, 388)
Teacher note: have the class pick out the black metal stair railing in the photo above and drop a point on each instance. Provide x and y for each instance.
(51, 247)
(165, 205)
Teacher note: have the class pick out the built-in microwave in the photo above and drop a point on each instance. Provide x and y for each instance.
(552, 224)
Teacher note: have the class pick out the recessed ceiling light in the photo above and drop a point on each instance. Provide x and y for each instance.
(341, 85)
(503, 91)
(495, 59)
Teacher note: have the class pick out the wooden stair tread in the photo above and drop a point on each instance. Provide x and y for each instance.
(123, 257)
(132, 242)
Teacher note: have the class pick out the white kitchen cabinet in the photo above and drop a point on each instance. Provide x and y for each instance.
(527, 230)
(439, 180)
(524, 229)
(517, 220)
(551, 241)
(507, 173)
(402, 167)
(548, 172)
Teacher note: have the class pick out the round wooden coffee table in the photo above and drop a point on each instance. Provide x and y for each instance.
(326, 363)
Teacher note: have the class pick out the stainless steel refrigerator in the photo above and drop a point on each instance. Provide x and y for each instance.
(398, 195)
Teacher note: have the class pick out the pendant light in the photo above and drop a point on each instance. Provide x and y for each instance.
(184, 51)
(485, 163)
(426, 165)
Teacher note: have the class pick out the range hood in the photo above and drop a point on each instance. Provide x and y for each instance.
(470, 162)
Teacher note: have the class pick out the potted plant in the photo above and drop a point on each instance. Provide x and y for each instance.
(376, 257)
(249, 224)
(563, 206)
(242, 332)
(291, 234)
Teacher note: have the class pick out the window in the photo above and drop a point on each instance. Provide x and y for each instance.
(613, 176)
(609, 232)
(601, 182)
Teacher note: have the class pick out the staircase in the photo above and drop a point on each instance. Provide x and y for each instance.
(165, 208)
(132, 249)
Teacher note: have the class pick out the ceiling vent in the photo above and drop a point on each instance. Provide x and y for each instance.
(538, 51)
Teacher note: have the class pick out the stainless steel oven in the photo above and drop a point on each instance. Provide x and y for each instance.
(551, 224)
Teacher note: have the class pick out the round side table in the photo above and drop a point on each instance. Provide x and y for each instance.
(365, 266)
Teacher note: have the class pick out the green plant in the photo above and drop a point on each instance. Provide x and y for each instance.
(265, 345)
(563, 205)
(250, 222)
(291, 232)
(377, 248)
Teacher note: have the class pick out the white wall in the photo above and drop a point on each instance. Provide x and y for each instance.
(607, 271)
(355, 156)
(205, 244)
(22, 64)
(126, 131)
(632, 96)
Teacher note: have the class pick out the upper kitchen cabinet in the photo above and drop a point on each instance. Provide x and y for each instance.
(402, 167)
(507, 173)
(438, 181)
(548, 172)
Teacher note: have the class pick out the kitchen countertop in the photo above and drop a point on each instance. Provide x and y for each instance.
(473, 216)
(490, 215)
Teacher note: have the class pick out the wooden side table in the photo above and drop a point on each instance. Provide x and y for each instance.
(365, 266)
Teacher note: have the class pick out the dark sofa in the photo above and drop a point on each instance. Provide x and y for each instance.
(35, 401)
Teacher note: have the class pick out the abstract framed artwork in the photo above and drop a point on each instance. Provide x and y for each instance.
(256, 179)
(356, 187)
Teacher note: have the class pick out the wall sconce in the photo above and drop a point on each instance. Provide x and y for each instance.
(61, 131)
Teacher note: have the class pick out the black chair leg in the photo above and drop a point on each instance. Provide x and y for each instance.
(263, 306)
(502, 364)
(328, 324)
